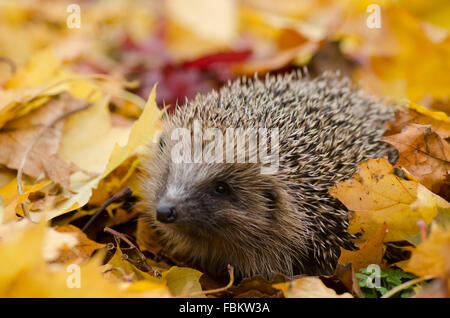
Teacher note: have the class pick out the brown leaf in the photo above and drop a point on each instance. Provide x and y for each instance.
(45, 199)
(346, 275)
(424, 153)
(16, 135)
(257, 285)
(82, 251)
(418, 115)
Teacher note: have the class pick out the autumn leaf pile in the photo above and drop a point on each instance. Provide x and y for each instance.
(79, 105)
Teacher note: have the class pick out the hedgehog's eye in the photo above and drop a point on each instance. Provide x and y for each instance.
(221, 188)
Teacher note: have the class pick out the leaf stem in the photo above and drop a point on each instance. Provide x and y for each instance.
(142, 257)
(119, 195)
(221, 289)
(405, 285)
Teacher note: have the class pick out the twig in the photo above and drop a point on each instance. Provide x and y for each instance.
(405, 285)
(221, 289)
(31, 145)
(142, 257)
(119, 195)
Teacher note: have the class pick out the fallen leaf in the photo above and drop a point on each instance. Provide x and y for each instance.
(114, 182)
(25, 90)
(32, 276)
(417, 114)
(183, 281)
(214, 22)
(424, 153)
(369, 253)
(200, 27)
(79, 252)
(42, 160)
(277, 61)
(376, 195)
(257, 285)
(434, 11)
(432, 256)
(346, 275)
(120, 260)
(387, 54)
(140, 135)
(11, 198)
(46, 199)
(308, 287)
(89, 137)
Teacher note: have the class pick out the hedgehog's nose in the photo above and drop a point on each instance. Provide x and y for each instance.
(166, 213)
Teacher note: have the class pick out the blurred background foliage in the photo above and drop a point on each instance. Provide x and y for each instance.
(193, 46)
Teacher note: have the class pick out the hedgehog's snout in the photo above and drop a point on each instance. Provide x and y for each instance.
(166, 213)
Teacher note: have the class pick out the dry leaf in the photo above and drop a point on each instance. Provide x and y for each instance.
(308, 287)
(424, 153)
(183, 281)
(432, 256)
(417, 114)
(31, 276)
(11, 198)
(376, 196)
(140, 134)
(369, 253)
(79, 252)
(277, 61)
(42, 160)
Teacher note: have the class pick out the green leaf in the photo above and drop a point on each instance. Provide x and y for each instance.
(389, 279)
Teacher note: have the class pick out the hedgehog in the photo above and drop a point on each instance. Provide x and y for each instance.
(210, 214)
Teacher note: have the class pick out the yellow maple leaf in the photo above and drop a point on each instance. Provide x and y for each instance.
(376, 196)
(141, 134)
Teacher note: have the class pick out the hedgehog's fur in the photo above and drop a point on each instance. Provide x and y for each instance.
(286, 222)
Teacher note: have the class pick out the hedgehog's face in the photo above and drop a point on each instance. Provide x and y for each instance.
(221, 213)
(211, 200)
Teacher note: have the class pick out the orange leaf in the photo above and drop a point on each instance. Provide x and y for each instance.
(432, 256)
(370, 253)
(423, 153)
